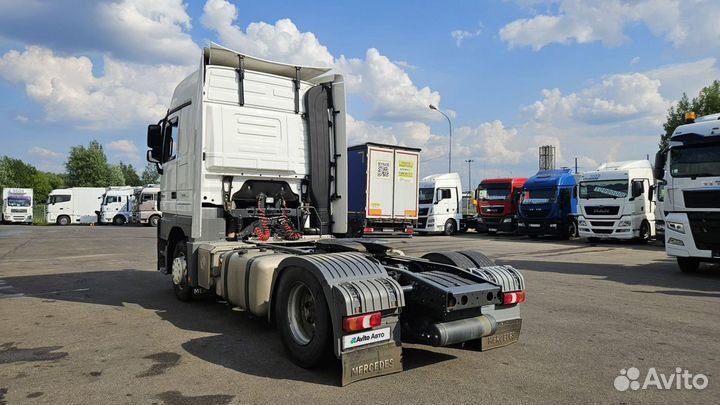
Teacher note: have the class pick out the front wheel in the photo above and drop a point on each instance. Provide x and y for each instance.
(302, 317)
(63, 220)
(118, 220)
(181, 283)
(449, 228)
(570, 230)
(154, 221)
(644, 236)
(688, 264)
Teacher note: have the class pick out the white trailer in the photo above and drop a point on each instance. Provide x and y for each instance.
(690, 170)
(77, 205)
(441, 205)
(616, 202)
(146, 205)
(17, 205)
(253, 163)
(118, 206)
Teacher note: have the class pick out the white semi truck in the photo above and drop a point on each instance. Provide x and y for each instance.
(441, 205)
(17, 205)
(146, 205)
(616, 202)
(77, 205)
(118, 206)
(690, 170)
(252, 156)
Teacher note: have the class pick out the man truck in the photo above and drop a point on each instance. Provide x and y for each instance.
(77, 205)
(254, 189)
(17, 205)
(118, 206)
(616, 202)
(146, 205)
(382, 190)
(548, 205)
(441, 205)
(689, 169)
(497, 204)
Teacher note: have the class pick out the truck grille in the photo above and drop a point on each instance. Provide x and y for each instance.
(602, 231)
(423, 211)
(702, 198)
(493, 210)
(536, 213)
(17, 210)
(492, 220)
(705, 227)
(602, 210)
(602, 223)
(421, 222)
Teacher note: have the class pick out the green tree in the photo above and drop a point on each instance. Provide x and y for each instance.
(150, 175)
(115, 176)
(16, 173)
(87, 166)
(706, 102)
(130, 175)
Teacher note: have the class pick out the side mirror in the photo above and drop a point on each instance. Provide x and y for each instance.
(155, 143)
(659, 168)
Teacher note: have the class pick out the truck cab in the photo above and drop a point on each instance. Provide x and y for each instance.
(690, 170)
(117, 206)
(497, 204)
(548, 205)
(440, 205)
(146, 205)
(17, 205)
(616, 202)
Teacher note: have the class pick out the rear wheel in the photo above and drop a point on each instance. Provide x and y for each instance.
(302, 317)
(63, 220)
(688, 264)
(181, 284)
(154, 221)
(451, 258)
(478, 258)
(449, 228)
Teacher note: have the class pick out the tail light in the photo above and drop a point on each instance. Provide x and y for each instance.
(409, 231)
(362, 322)
(368, 230)
(514, 297)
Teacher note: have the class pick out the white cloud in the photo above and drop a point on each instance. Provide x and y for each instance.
(460, 35)
(382, 83)
(124, 148)
(66, 87)
(22, 119)
(691, 24)
(43, 153)
(634, 61)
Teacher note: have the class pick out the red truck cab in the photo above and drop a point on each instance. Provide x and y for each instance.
(497, 204)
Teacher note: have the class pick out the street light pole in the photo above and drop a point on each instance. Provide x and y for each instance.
(468, 161)
(432, 107)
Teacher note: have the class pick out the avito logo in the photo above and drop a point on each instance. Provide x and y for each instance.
(680, 380)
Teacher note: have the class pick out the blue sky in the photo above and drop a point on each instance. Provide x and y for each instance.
(595, 81)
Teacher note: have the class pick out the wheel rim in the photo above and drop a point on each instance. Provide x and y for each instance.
(449, 227)
(645, 231)
(571, 229)
(301, 311)
(179, 270)
(154, 221)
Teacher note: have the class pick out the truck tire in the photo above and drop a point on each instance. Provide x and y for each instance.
(154, 221)
(478, 258)
(451, 258)
(181, 286)
(449, 227)
(302, 317)
(644, 234)
(63, 220)
(118, 220)
(688, 264)
(570, 230)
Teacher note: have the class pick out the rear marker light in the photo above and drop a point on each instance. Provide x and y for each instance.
(515, 297)
(409, 231)
(362, 322)
(368, 230)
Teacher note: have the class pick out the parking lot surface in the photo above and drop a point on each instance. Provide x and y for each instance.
(85, 319)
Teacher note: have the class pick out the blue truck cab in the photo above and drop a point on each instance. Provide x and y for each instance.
(548, 204)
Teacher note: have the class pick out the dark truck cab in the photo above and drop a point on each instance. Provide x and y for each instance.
(548, 205)
(497, 204)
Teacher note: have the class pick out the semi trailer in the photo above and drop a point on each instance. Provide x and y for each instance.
(548, 205)
(441, 205)
(254, 192)
(382, 189)
(689, 170)
(497, 204)
(76, 205)
(17, 205)
(616, 202)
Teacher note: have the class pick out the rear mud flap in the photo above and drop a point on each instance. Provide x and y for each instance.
(507, 333)
(371, 362)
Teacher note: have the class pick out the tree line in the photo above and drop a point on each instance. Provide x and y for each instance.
(86, 166)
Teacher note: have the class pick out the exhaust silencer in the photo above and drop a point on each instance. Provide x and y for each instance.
(463, 330)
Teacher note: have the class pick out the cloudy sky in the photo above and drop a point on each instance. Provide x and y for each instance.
(593, 78)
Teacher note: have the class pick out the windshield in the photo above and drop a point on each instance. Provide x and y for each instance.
(539, 195)
(695, 161)
(493, 191)
(112, 199)
(18, 201)
(426, 195)
(604, 189)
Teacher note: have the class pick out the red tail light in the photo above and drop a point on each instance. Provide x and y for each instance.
(368, 230)
(514, 297)
(409, 231)
(362, 322)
